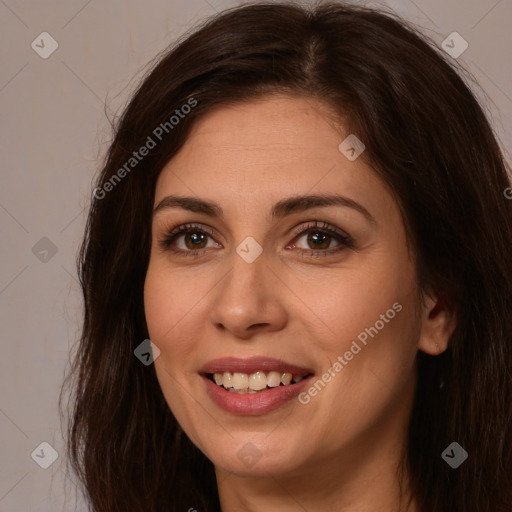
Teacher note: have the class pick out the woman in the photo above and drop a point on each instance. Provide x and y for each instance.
(304, 211)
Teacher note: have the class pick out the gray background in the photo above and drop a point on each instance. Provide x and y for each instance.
(54, 134)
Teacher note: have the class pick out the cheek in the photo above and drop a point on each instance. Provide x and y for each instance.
(167, 319)
(344, 302)
(370, 322)
(378, 352)
(166, 316)
(176, 309)
(168, 298)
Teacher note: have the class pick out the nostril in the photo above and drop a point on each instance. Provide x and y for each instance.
(255, 326)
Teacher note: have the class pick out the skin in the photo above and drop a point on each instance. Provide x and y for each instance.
(340, 451)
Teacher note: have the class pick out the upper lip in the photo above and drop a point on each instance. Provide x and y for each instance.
(251, 365)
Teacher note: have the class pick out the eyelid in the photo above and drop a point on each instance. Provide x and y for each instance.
(182, 229)
(320, 226)
(343, 238)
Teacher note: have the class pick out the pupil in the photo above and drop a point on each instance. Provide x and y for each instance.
(196, 239)
(315, 237)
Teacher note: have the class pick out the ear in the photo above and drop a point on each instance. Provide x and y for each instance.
(438, 323)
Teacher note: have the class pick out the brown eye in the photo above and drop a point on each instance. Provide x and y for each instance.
(319, 239)
(187, 240)
(195, 240)
(190, 240)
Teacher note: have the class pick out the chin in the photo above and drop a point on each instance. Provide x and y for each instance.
(246, 457)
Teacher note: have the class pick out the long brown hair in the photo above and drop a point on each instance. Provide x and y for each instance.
(427, 138)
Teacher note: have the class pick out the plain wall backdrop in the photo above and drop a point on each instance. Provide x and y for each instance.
(54, 133)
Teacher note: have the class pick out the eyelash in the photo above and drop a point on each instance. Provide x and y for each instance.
(315, 227)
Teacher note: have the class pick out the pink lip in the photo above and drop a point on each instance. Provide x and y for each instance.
(253, 404)
(251, 365)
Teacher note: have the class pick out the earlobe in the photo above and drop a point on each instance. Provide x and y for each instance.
(438, 323)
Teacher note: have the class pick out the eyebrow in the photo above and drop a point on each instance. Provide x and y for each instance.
(279, 210)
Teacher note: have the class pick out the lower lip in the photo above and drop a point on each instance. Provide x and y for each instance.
(253, 403)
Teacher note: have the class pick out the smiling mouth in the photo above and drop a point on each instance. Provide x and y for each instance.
(256, 382)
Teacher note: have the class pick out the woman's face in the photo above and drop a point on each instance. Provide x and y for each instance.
(324, 290)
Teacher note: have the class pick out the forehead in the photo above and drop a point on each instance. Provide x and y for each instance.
(267, 127)
(265, 149)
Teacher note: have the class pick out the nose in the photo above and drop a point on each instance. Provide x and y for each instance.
(249, 299)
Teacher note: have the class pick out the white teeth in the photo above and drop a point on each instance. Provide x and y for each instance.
(238, 382)
(273, 379)
(257, 381)
(286, 378)
(226, 380)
